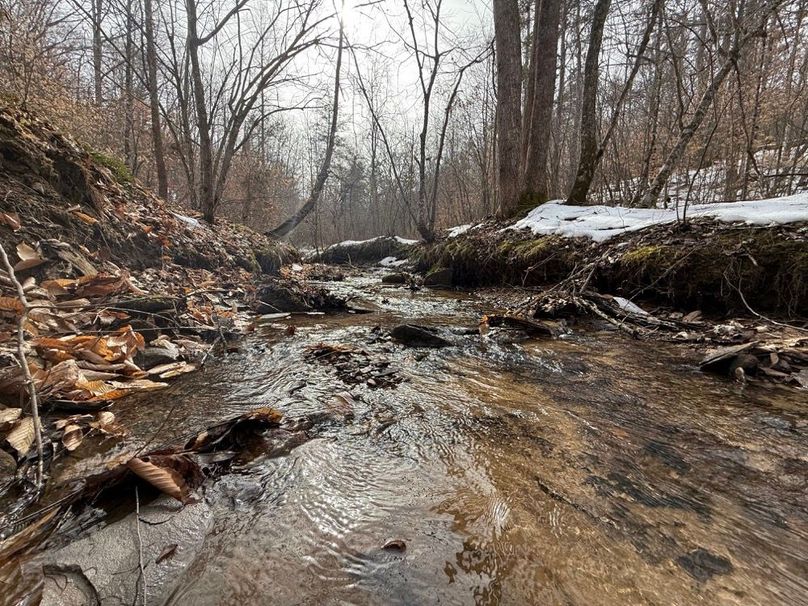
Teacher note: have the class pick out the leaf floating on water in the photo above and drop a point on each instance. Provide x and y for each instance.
(172, 474)
(72, 437)
(21, 437)
(172, 369)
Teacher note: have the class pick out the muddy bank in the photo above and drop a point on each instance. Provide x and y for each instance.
(704, 265)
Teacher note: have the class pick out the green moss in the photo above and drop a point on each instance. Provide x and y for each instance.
(116, 166)
(532, 251)
(643, 255)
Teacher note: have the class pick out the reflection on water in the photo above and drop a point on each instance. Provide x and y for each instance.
(592, 470)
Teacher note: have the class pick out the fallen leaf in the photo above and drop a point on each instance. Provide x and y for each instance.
(85, 217)
(29, 257)
(172, 369)
(395, 545)
(22, 436)
(9, 415)
(11, 219)
(172, 474)
(11, 304)
(72, 437)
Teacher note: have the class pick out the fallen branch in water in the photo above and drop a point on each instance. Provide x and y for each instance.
(23, 361)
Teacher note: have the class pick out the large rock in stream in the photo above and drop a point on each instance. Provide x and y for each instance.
(412, 335)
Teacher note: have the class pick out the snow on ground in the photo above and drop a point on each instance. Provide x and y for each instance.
(190, 221)
(392, 262)
(361, 242)
(459, 230)
(603, 222)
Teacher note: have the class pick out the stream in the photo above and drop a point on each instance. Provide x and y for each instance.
(590, 469)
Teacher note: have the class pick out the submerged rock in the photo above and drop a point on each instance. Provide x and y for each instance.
(418, 336)
(701, 564)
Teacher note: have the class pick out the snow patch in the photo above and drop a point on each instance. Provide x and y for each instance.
(190, 221)
(629, 307)
(601, 223)
(459, 230)
(392, 262)
(348, 243)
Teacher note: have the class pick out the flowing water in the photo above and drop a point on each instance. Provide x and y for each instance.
(586, 470)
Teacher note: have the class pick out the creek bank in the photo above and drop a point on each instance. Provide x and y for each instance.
(707, 265)
(127, 293)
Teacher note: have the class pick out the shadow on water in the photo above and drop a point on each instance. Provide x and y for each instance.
(589, 470)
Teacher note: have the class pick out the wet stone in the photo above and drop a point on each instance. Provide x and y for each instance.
(395, 278)
(439, 278)
(418, 336)
(702, 565)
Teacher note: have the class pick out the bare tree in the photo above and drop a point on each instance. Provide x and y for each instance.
(589, 120)
(539, 100)
(290, 224)
(509, 104)
(746, 28)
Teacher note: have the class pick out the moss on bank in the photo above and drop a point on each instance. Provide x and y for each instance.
(710, 266)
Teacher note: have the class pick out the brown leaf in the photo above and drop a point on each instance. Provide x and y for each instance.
(85, 217)
(11, 219)
(9, 415)
(22, 436)
(12, 304)
(172, 474)
(72, 437)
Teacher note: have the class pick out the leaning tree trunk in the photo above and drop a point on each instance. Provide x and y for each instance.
(291, 224)
(589, 122)
(541, 93)
(509, 99)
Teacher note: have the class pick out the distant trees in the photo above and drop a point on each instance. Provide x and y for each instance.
(210, 102)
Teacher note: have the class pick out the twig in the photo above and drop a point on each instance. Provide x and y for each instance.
(26, 370)
(142, 577)
(761, 316)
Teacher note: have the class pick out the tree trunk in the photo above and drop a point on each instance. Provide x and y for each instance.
(587, 162)
(291, 224)
(541, 93)
(154, 101)
(509, 100)
(206, 195)
(97, 8)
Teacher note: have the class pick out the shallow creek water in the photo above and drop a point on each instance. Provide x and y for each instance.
(586, 470)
